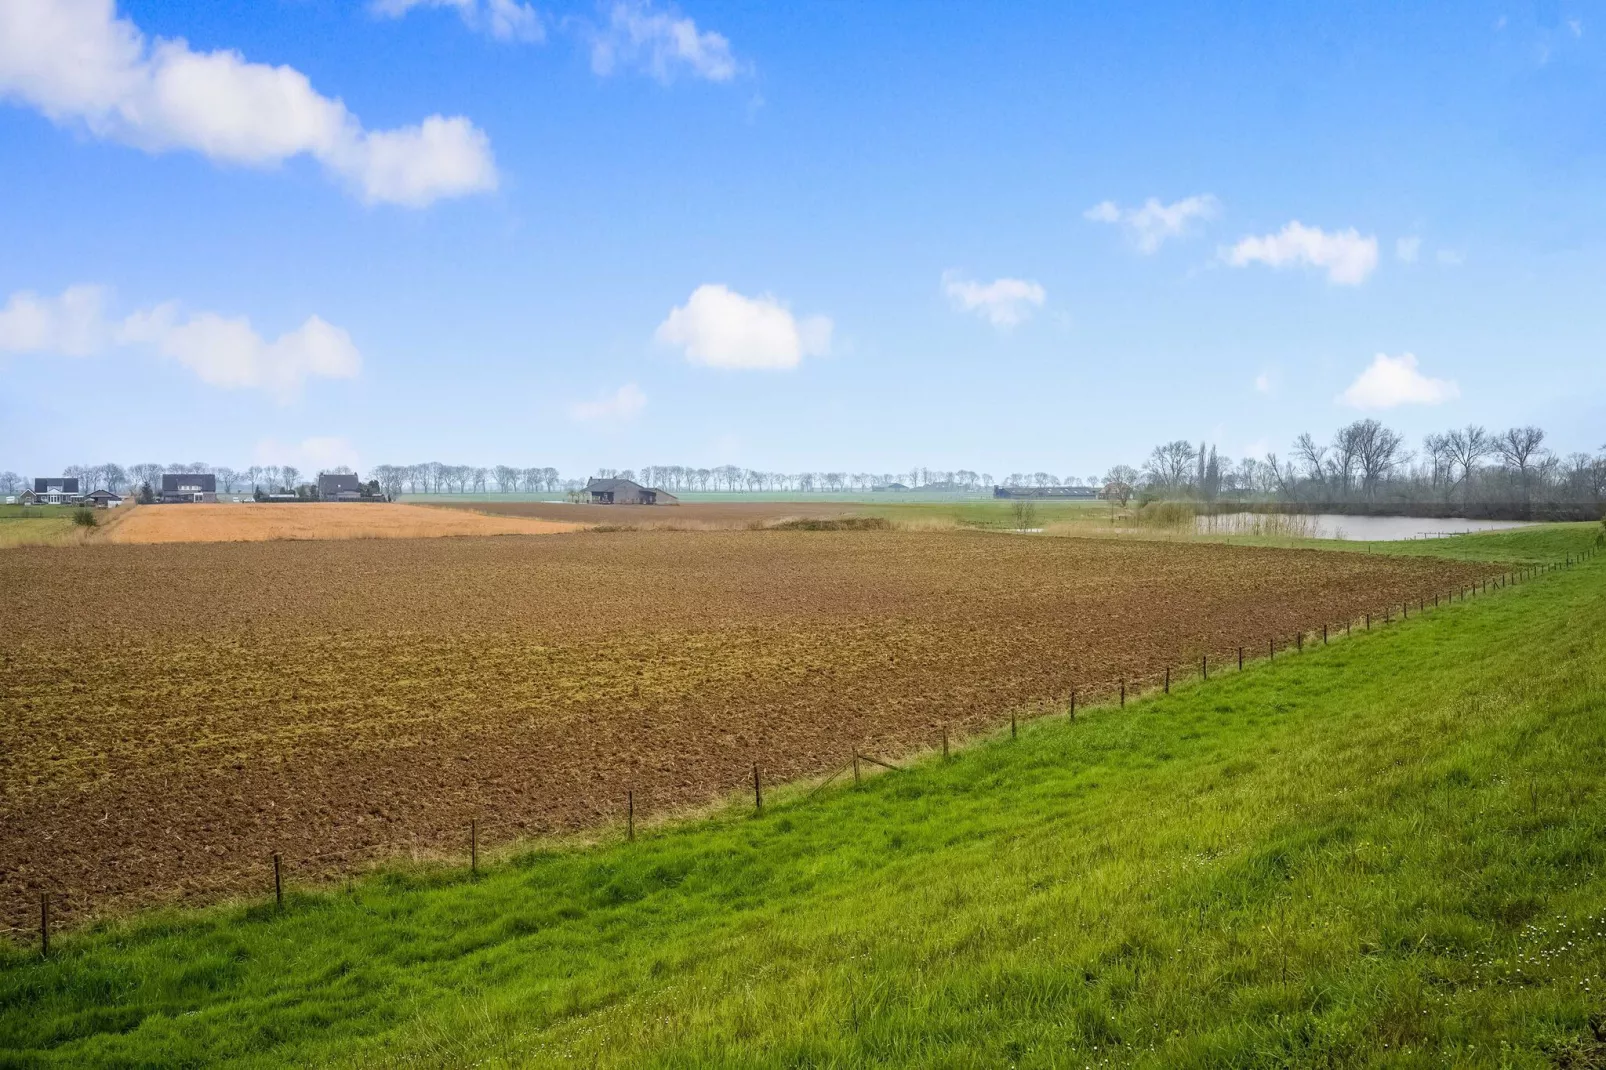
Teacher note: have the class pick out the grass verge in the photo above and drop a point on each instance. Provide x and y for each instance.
(1384, 851)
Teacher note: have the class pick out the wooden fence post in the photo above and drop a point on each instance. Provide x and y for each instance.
(945, 741)
(1013, 734)
(1168, 679)
(474, 847)
(1123, 693)
(1240, 659)
(758, 792)
(1299, 641)
(1324, 635)
(278, 885)
(1204, 666)
(855, 768)
(44, 925)
(1073, 703)
(630, 816)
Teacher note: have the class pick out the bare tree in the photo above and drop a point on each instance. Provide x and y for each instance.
(1168, 465)
(1519, 448)
(1467, 446)
(1312, 456)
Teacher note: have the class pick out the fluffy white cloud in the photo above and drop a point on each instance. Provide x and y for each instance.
(77, 62)
(317, 454)
(1407, 249)
(623, 404)
(505, 20)
(1263, 383)
(1347, 257)
(1390, 381)
(1002, 302)
(228, 352)
(222, 351)
(72, 325)
(659, 43)
(723, 329)
(1152, 224)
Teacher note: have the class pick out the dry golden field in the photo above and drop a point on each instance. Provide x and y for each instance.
(253, 522)
(173, 714)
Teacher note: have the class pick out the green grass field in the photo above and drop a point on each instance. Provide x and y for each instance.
(1383, 852)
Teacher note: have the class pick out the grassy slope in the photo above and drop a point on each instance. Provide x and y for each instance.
(1387, 850)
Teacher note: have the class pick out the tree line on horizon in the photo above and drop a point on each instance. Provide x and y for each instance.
(1363, 462)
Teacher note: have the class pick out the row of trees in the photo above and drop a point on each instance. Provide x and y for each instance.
(126, 479)
(1366, 462)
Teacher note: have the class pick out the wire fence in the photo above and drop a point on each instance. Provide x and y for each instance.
(1114, 692)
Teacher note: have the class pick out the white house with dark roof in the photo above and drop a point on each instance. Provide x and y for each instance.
(626, 492)
(333, 487)
(189, 487)
(55, 490)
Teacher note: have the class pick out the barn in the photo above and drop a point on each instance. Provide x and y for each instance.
(626, 492)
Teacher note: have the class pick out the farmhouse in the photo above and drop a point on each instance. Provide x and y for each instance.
(339, 488)
(626, 492)
(55, 490)
(103, 499)
(1055, 493)
(189, 487)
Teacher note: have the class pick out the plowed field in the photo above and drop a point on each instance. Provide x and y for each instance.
(260, 522)
(173, 714)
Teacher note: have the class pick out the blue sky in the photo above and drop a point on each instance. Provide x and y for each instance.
(824, 236)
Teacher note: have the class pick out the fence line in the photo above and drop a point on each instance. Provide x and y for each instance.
(1501, 581)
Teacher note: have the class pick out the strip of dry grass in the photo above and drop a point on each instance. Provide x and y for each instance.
(255, 522)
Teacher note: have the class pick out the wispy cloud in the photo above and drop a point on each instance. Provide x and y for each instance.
(504, 20)
(1347, 257)
(663, 43)
(1153, 223)
(621, 406)
(1004, 303)
(1406, 250)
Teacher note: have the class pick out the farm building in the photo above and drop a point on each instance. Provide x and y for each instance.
(189, 487)
(103, 499)
(1054, 493)
(626, 492)
(339, 488)
(55, 490)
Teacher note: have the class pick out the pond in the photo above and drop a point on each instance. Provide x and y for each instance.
(1336, 526)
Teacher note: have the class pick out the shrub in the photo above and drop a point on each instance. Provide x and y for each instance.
(84, 518)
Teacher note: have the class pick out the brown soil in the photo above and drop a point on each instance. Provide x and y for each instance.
(688, 516)
(173, 715)
(262, 522)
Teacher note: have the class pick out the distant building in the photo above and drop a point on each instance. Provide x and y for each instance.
(339, 488)
(626, 492)
(892, 486)
(1053, 493)
(55, 490)
(189, 487)
(103, 499)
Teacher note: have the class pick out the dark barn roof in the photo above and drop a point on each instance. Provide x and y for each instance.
(49, 484)
(330, 484)
(204, 481)
(605, 485)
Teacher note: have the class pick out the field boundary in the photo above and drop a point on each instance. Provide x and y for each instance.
(1095, 697)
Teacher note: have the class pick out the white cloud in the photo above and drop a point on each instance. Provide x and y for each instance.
(623, 404)
(228, 352)
(222, 351)
(1152, 224)
(505, 20)
(1263, 383)
(721, 328)
(311, 455)
(1003, 302)
(71, 325)
(660, 43)
(1407, 249)
(1347, 257)
(1390, 381)
(78, 63)
(1450, 258)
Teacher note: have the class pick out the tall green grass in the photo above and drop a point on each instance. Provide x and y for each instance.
(1386, 851)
